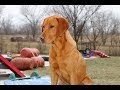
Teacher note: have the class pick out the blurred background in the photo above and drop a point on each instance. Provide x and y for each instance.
(96, 27)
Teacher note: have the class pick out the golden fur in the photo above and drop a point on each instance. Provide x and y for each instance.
(66, 63)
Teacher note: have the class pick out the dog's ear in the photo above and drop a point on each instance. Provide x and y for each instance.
(63, 25)
(43, 22)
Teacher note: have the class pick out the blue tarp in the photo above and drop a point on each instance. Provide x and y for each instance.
(43, 80)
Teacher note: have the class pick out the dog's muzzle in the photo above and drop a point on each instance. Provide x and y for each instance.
(42, 39)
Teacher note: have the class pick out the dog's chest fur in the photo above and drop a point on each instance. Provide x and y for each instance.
(62, 59)
(62, 64)
(62, 69)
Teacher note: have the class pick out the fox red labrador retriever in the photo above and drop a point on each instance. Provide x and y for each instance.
(66, 63)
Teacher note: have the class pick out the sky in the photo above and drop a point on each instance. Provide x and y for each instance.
(14, 12)
(113, 8)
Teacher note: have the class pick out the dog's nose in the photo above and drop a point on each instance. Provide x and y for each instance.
(41, 38)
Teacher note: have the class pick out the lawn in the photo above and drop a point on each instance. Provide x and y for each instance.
(103, 71)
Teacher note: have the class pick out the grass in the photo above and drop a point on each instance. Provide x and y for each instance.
(15, 47)
(41, 71)
(103, 71)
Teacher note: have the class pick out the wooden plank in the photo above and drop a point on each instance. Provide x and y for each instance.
(11, 66)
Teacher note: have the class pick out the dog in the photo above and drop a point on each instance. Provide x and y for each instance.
(67, 65)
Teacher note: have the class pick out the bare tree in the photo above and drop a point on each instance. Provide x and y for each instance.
(25, 29)
(1, 38)
(92, 32)
(33, 15)
(1, 9)
(115, 38)
(77, 15)
(6, 25)
(104, 24)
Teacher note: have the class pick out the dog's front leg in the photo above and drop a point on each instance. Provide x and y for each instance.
(54, 77)
(53, 67)
(74, 79)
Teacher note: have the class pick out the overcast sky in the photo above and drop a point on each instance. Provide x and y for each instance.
(114, 8)
(14, 12)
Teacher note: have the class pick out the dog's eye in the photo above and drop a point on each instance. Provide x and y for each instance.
(51, 26)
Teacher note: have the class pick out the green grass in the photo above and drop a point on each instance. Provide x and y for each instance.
(103, 71)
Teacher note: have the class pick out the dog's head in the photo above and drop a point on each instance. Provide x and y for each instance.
(53, 27)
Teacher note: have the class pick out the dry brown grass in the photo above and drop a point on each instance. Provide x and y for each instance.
(15, 47)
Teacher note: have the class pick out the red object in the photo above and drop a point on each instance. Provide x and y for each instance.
(11, 66)
(41, 62)
(35, 61)
(23, 63)
(29, 52)
(38, 61)
(101, 54)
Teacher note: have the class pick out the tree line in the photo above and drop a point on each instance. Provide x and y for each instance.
(88, 23)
